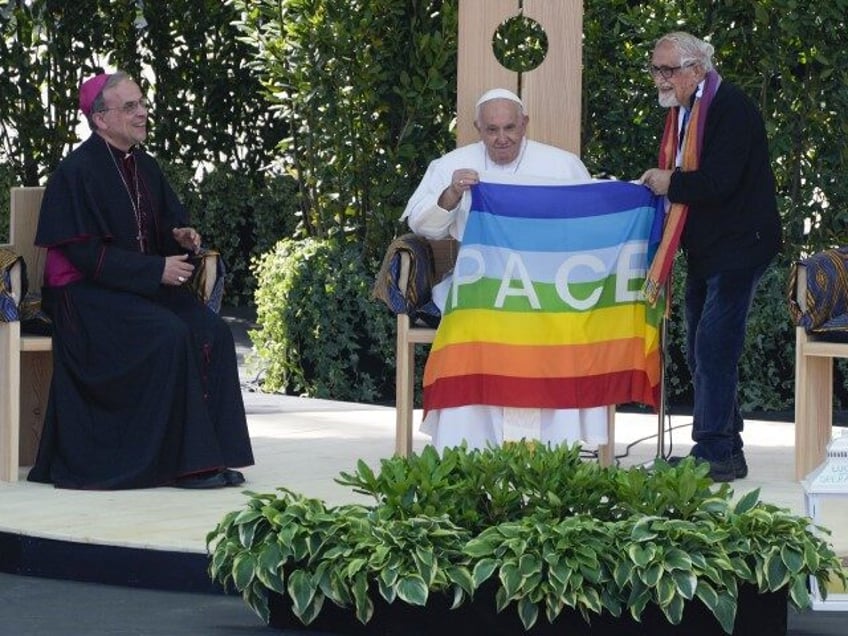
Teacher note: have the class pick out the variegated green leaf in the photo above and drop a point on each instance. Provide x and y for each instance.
(257, 599)
(792, 558)
(651, 574)
(725, 611)
(673, 610)
(529, 564)
(747, 502)
(478, 547)
(301, 591)
(666, 590)
(685, 582)
(776, 573)
(387, 590)
(589, 597)
(510, 577)
(799, 593)
(483, 570)
(412, 589)
(676, 559)
(501, 600)
(461, 577)
(247, 532)
(311, 612)
(361, 601)
(528, 611)
(622, 572)
(244, 566)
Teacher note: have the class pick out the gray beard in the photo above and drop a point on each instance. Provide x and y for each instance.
(667, 100)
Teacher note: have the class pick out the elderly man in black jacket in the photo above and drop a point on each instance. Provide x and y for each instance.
(714, 169)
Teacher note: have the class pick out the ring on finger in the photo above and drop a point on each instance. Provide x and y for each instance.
(181, 279)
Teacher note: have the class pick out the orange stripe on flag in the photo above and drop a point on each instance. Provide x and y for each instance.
(563, 361)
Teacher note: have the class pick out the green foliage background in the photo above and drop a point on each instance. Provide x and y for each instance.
(316, 119)
(208, 115)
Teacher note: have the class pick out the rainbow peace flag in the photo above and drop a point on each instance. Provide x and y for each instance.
(545, 308)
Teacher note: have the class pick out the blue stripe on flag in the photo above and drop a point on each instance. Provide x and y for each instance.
(560, 201)
(558, 234)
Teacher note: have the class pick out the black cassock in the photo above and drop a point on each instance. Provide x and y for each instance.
(145, 384)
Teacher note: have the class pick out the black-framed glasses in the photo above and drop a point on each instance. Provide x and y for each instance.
(130, 108)
(666, 72)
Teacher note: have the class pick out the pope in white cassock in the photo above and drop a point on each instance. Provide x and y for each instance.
(439, 208)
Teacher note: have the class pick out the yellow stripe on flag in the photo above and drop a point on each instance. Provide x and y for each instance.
(543, 329)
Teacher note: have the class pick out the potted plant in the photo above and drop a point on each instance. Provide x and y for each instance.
(535, 535)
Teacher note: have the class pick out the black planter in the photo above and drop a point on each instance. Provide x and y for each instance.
(756, 614)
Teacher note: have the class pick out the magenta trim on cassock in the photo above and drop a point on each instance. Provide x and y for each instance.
(58, 270)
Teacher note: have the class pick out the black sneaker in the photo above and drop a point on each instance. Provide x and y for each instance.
(740, 466)
(720, 471)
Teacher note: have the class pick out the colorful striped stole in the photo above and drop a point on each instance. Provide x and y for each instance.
(546, 309)
(660, 270)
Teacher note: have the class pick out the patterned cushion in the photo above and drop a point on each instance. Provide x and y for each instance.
(826, 295)
(197, 282)
(417, 302)
(8, 307)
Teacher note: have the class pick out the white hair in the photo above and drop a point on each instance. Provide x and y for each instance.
(691, 49)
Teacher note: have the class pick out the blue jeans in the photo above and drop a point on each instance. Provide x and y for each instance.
(716, 315)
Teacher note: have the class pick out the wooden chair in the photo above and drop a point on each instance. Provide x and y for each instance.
(410, 334)
(814, 357)
(26, 361)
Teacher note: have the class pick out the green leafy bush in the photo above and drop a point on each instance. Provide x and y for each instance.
(367, 92)
(351, 100)
(526, 519)
(241, 216)
(321, 333)
(244, 216)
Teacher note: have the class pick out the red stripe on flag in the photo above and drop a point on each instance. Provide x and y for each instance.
(554, 393)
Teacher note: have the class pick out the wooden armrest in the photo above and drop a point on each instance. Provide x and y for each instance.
(403, 274)
(17, 284)
(801, 286)
(210, 267)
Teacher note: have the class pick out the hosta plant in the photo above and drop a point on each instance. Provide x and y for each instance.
(547, 531)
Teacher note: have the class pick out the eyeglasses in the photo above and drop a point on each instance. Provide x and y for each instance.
(130, 108)
(666, 72)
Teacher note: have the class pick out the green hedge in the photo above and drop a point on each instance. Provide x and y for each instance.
(321, 334)
(360, 95)
(7, 180)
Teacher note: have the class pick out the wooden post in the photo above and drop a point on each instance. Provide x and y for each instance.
(551, 92)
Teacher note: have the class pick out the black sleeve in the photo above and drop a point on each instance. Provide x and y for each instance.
(116, 268)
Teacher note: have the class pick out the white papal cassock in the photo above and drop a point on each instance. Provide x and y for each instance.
(481, 425)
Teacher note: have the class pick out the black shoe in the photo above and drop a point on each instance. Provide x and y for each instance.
(740, 466)
(233, 477)
(201, 481)
(720, 471)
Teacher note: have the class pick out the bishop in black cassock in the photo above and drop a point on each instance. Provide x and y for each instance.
(145, 389)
